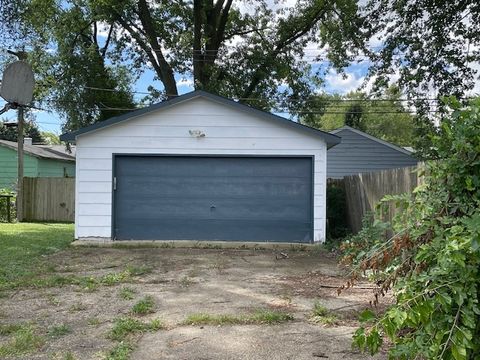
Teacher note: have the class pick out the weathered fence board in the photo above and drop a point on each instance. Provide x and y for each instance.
(364, 191)
(49, 199)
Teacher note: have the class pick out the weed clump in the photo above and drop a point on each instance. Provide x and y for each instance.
(144, 306)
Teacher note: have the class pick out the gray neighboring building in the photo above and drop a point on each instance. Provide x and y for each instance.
(361, 153)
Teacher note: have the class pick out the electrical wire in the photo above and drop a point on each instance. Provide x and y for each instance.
(274, 110)
(335, 109)
(328, 109)
(318, 100)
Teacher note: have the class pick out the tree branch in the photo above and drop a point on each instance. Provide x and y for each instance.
(143, 45)
(80, 33)
(451, 332)
(218, 7)
(244, 32)
(295, 34)
(107, 42)
(94, 35)
(222, 22)
(209, 22)
(165, 69)
(198, 57)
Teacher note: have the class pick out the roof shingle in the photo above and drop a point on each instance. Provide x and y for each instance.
(39, 151)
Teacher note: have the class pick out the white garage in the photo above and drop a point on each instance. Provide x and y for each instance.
(201, 167)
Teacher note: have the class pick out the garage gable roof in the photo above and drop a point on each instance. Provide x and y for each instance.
(330, 139)
(380, 141)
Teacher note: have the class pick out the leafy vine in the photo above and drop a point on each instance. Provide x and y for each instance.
(428, 256)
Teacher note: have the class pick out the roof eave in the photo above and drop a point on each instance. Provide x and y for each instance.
(330, 139)
(72, 136)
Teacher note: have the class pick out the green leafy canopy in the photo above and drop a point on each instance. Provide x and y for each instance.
(244, 50)
(10, 132)
(384, 117)
(432, 261)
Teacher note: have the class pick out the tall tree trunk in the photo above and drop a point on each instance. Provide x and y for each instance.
(209, 25)
(198, 58)
(164, 70)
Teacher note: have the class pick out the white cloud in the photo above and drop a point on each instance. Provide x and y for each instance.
(249, 7)
(377, 42)
(103, 29)
(185, 82)
(342, 83)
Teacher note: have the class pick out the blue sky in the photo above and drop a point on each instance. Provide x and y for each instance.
(334, 83)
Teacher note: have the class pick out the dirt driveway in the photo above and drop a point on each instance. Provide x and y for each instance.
(154, 303)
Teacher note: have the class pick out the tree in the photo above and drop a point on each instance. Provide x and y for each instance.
(10, 132)
(432, 45)
(69, 62)
(430, 49)
(431, 263)
(198, 38)
(50, 138)
(354, 116)
(384, 117)
(255, 55)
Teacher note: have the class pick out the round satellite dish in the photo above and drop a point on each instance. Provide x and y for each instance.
(17, 83)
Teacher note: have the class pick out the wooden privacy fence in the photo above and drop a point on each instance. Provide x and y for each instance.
(364, 191)
(49, 199)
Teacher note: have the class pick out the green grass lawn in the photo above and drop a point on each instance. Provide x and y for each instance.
(23, 245)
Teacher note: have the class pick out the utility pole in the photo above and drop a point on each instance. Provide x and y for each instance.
(20, 165)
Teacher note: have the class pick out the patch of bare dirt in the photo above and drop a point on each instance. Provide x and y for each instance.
(327, 290)
(187, 281)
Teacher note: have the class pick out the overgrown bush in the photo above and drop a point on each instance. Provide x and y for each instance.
(4, 207)
(432, 262)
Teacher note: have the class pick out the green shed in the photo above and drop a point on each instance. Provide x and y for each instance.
(39, 161)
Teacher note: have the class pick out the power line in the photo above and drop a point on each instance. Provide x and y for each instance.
(114, 90)
(274, 109)
(327, 107)
(330, 108)
(304, 49)
(334, 106)
(278, 111)
(315, 111)
(353, 112)
(318, 52)
(319, 100)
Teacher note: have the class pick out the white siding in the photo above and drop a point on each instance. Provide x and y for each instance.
(228, 132)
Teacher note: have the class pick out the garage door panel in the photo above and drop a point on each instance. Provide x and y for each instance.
(218, 209)
(231, 187)
(234, 230)
(211, 166)
(213, 198)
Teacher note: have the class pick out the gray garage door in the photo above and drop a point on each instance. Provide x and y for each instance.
(213, 198)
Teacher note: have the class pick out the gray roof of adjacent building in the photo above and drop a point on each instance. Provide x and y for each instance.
(51, 152)
(360, 152)
(60, 148)
(403, 150)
